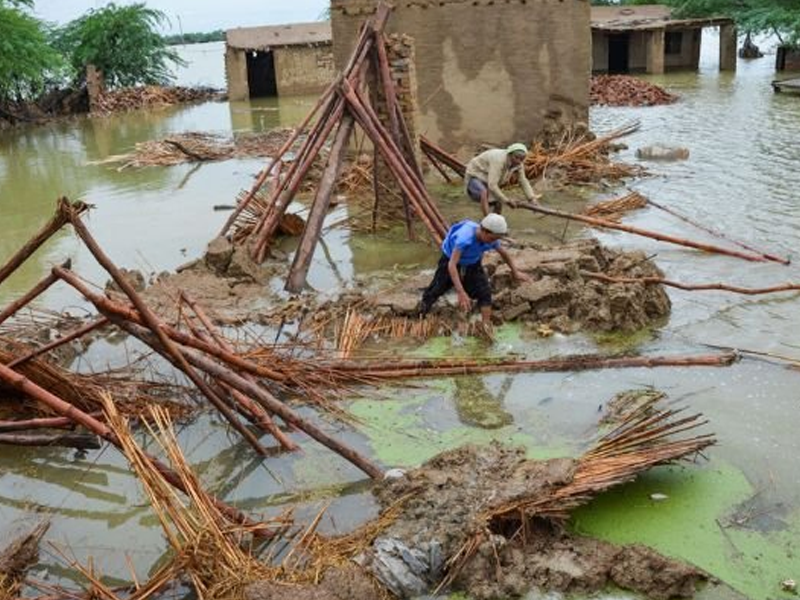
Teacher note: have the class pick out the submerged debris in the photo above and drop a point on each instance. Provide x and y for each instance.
(199, 147)
(150, 95)
(15, 560)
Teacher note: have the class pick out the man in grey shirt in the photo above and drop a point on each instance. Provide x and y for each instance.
(492, 168)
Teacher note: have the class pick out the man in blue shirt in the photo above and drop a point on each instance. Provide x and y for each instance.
(460, 265)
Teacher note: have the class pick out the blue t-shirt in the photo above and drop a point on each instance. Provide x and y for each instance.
(464, 236)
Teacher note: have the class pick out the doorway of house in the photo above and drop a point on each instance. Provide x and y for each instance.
(261, 74)
(618, 45)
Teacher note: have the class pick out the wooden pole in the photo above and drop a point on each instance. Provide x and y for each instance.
(41, 423)
(27, 387)
(80, 441)
(605, 224)
(56, 222)
(319, 208)
(443, 368)
(78, 333)
(717, 233)
(31, 295)
(155, 325)
(432, 150)
(261, 418)
(786, 287)
(262, 396)
(265, 172)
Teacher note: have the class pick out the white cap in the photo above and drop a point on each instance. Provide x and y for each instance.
(494, 223)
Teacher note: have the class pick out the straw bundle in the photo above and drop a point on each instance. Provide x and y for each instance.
(208, 547)
(576, 160)
(642, 440)
(616, 208)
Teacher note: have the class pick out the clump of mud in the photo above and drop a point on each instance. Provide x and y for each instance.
(442, 502)
(560, 296)
(348, 583)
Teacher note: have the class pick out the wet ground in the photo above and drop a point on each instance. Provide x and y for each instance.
(736, 515)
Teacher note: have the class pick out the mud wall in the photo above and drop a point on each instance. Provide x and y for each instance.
(303, 69)
(599, 52)
(787, 59)
(236, 74)
(488, 72)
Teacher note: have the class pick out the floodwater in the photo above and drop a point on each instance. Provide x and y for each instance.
(736, 514)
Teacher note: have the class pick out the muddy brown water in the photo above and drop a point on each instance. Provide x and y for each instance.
(736, 515)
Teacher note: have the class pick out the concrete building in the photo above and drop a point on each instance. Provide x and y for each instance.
(629, 39)
(278, 60)
(487, 71)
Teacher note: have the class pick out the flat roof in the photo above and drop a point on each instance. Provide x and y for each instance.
(646, 17)
(296, 34)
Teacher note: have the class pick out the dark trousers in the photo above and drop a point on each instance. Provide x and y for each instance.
(473, 278)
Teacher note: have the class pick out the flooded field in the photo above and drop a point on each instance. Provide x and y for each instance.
(736, 515)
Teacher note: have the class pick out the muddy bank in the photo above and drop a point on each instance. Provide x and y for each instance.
(559, 297)
(444, 501)
(346, 583)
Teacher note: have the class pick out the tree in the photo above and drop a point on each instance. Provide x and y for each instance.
(27, 61)
(121, 41)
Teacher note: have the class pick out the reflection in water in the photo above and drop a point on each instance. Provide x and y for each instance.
(478, 407)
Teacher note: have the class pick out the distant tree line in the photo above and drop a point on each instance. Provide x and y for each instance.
(195, 38)
(122, 41)
(780, 18)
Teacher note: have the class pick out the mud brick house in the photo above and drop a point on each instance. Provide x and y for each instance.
(787, 59)
(629, 39)
(487, 71)
(278, 60)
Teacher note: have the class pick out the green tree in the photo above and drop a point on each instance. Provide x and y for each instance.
(123, 42)
(27, 61)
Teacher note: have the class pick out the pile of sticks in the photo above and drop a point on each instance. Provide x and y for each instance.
(343, 105)
(197, 146)
(624, 90)
(616, 208)
(132, 98)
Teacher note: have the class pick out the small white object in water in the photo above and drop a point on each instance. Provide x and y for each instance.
(394, 474)
(658, 497)
(789, 585)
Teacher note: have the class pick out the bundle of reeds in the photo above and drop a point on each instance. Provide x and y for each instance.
(577, 159)
(616, 208)
(207, 546)
(642, 440)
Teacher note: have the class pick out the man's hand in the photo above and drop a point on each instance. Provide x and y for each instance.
(464, 302)
(520, 277)
(513, 203)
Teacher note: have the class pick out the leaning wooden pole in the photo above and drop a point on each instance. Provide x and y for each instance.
(722, 287)
(319, 207)
(717, 233)
(263, 397)
(261, 418)
(605, 224)
(154, 324)
(56, 222)
(31, 295)
(59, 406)
(265, 172)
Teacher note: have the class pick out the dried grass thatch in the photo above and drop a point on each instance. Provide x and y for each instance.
(616, 208)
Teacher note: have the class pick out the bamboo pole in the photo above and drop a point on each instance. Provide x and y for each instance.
(27, 387)
(261, 418)
(443, 368)
(56, 222)
(786, 287)
(265, 172)
(40, 423)
(262, 396)
(37, 290)
(403, 179)
(155, 325)
(717, 233)
(65, 339)
(440, 154)
(319, 208)
(603, 223)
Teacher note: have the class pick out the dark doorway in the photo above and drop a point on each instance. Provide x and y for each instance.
(261, 74)
(618, 45)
